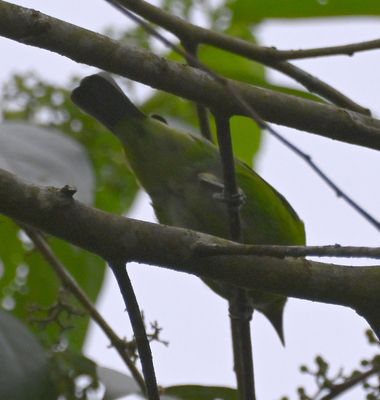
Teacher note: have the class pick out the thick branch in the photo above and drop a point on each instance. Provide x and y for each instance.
(195, 34)
(112, 237)
(33, 28)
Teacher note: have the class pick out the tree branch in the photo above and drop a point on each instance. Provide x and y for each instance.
(240, 309)
(337, 390)
(286, 251)
(55, 212)
(33, 28)
(346, 49)
(70, 283)
(265, 55)
(119, 270)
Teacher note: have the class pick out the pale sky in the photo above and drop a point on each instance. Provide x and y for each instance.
(194, 319)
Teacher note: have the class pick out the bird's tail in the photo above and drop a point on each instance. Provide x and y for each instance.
(274, 312)
(372, 315)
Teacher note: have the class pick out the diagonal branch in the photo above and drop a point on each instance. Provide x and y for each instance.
(337, 390)
(119, 270)
(69, 282)
(36, 29)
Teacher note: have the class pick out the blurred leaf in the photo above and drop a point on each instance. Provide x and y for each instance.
(74, 375)
(28, 98)
(87, 269)
(171, 108)
(181, 8)
(232, 66)
(24, 364)
(250, 12)
(181, 115)
(246, 138)
(29, 282)
(227, 64)
(292, 91)
(117, 384)
(135, 36)
(198, 392)
(46, 157)
(245, 133)
(13, 273)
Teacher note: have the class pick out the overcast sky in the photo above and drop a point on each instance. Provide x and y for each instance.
(194, 319)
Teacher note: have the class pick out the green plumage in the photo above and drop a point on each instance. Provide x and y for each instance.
(182, 173)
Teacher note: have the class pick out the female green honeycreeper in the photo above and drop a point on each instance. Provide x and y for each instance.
(182, 173)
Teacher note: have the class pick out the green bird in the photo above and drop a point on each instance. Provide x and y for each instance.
(182, 173)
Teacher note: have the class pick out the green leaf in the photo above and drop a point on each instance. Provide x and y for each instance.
(232, 66)
(74, 375)
(29, 282)
(227, 64)
(198, 392)
(294, 92)
(24, 364)
(172, 108)
(246, 138)
(45, 156)
(250, 12)
(87, 269)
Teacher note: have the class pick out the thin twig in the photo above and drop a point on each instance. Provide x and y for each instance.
(337, 390)
(250, 111)
(120, 271)
(346, 49)
(202, 113)
(338, 191)
(70, 283)
(315, 85)
(234, 249)
(265, 55)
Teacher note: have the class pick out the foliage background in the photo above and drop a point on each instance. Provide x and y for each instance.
(177, 301)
